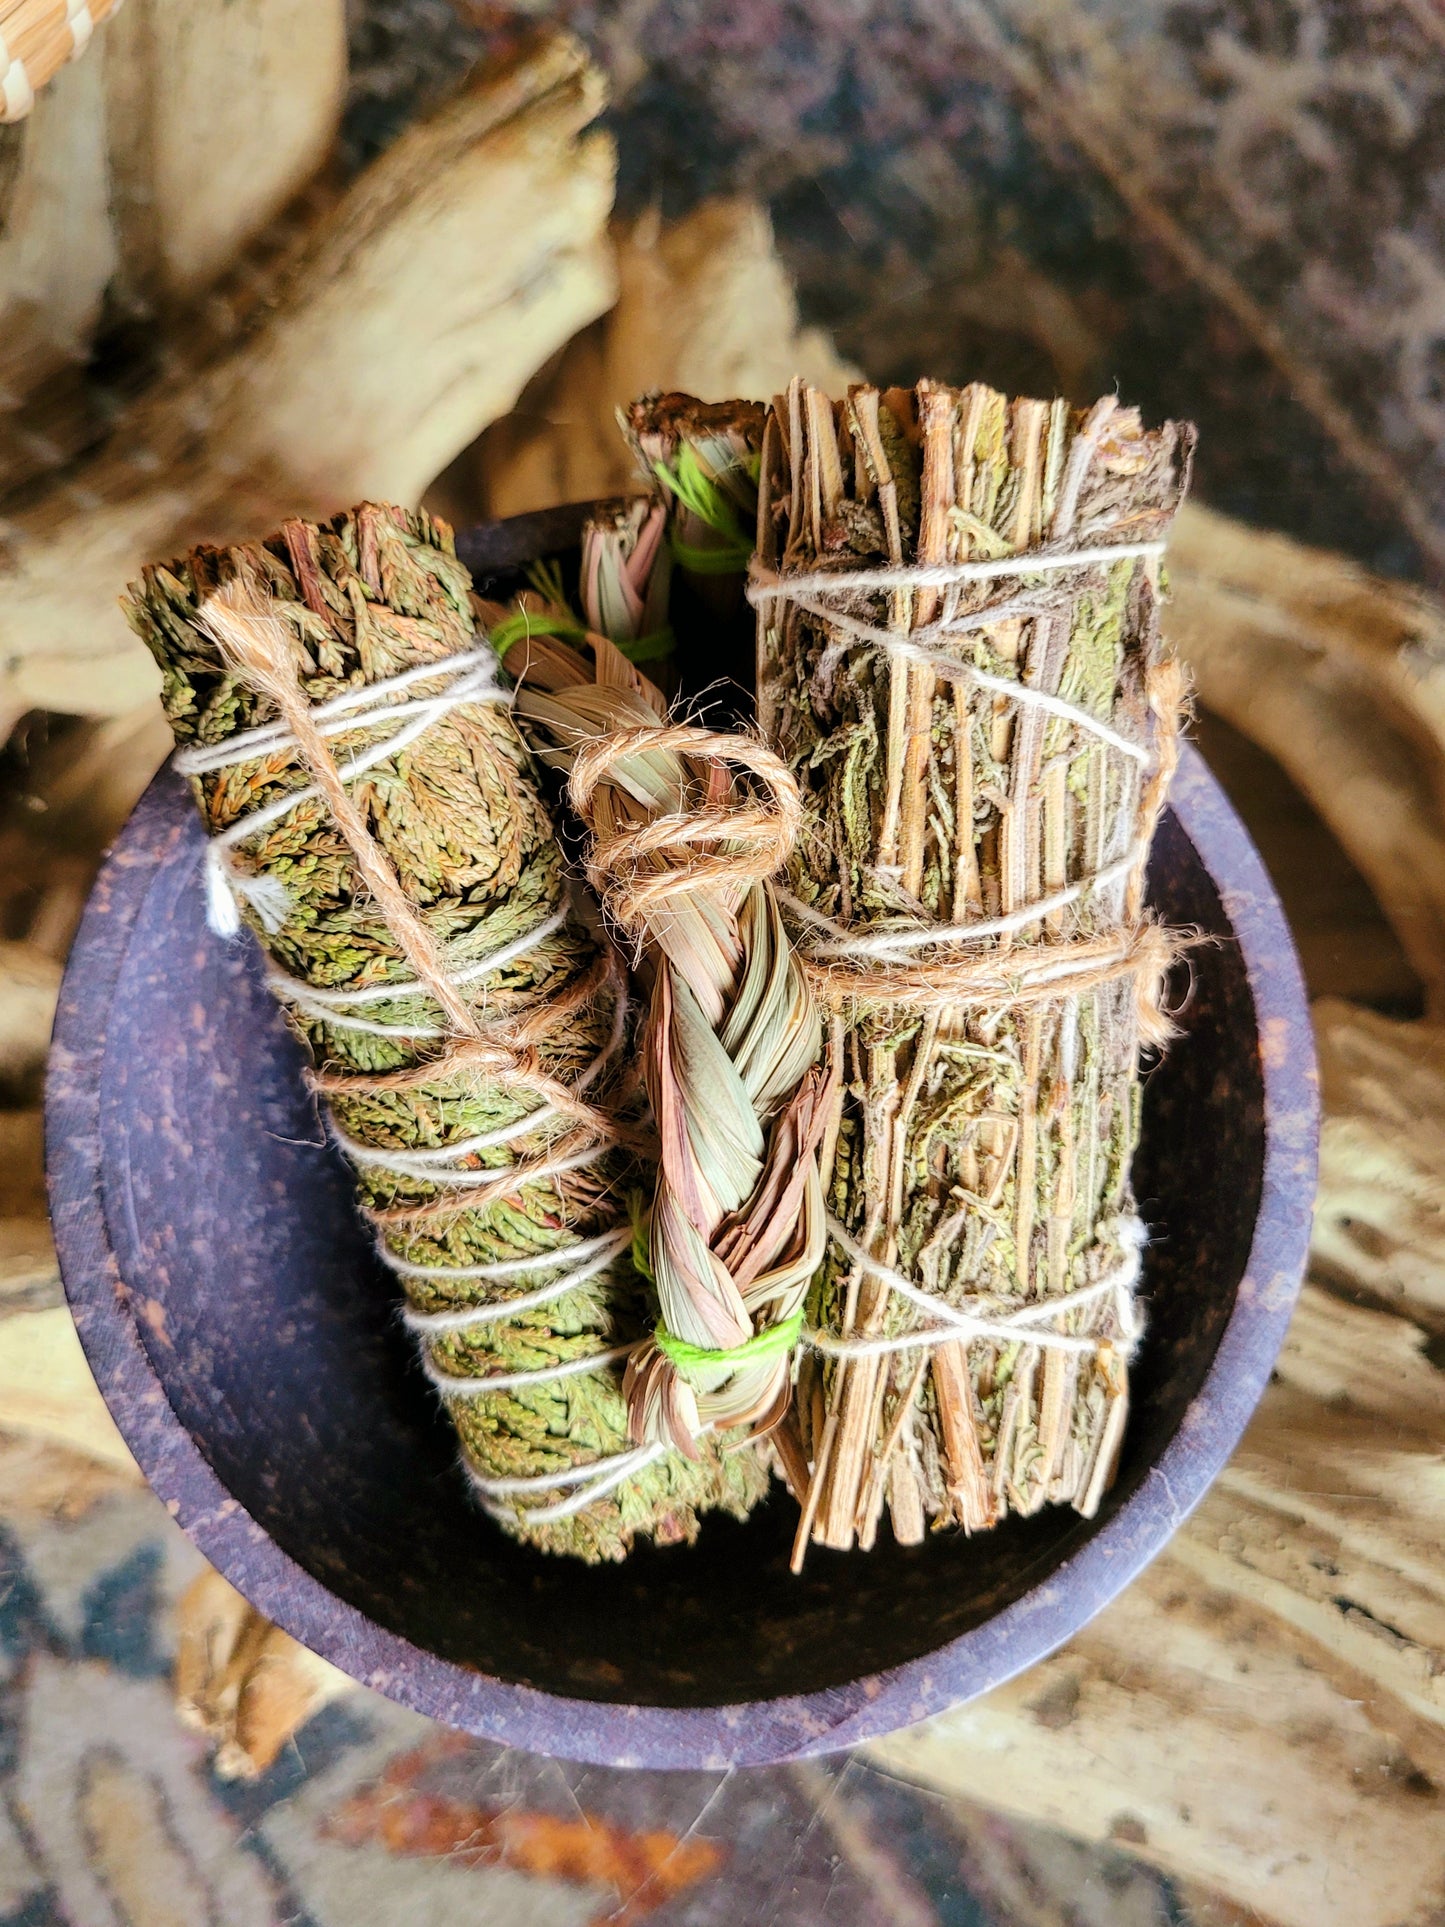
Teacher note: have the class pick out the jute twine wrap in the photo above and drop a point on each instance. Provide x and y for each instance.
(374, 810)
(984, 730)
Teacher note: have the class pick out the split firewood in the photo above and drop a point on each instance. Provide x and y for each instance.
(143, 173)
(1379, 1229)
(704, 306)
(407, 321)
(1340, 675)
(243, 1682)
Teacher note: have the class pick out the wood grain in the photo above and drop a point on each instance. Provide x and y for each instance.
(409, 317)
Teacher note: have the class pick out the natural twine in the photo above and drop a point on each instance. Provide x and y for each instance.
(759, 834)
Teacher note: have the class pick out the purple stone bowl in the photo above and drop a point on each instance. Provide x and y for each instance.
(247, 1342)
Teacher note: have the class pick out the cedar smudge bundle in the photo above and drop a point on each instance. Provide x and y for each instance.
(371, 805)
(685, 826)
(983, 746)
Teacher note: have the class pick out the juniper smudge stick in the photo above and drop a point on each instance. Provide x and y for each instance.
(686, 825)
(982, 757)
(467, 1027)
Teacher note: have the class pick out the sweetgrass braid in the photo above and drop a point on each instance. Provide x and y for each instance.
(460, 820)
(685, 825)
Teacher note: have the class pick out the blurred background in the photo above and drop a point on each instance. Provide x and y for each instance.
(267, 257)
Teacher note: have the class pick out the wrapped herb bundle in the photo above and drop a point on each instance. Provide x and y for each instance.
(983, 747)
(704, 458)
(685, 826)
(370, 803)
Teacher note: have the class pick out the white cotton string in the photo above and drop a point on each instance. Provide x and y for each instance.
(530, 1174)
(458, 1387)
(1021, 1326)
(441, 1164)
(571, 1475)
(334, 717)
(504, 1268)
(472, 678)
(846, 942)
(923, 646)
(575, 1265)
(613, 1470)
(333, 1006)
(769, 585)
(843, 943)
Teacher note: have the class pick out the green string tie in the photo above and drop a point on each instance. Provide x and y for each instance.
(773, 1341)
(654, 648)
(534, 622)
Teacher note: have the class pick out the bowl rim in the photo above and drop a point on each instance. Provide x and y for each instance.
(106, 1307)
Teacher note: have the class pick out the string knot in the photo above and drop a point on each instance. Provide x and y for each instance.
(737, 838)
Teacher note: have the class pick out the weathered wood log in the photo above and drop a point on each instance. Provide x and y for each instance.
(46, 1388)
(412, 317)
(29, 1275)
(37, 38)
(1188, 1728)
(218, 114)
(1380, 1219)
(142, 174)
(704, 305)
(57, 240)
(82, 778)
(1340, 675)
(29, 985)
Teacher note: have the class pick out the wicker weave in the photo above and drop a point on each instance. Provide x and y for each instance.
(37, 37)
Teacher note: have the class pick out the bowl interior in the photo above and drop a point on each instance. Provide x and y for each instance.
(273, 1330)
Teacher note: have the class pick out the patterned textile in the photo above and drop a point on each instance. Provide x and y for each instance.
(112, 1816)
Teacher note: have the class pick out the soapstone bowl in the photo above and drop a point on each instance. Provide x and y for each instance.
(246, 1340)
